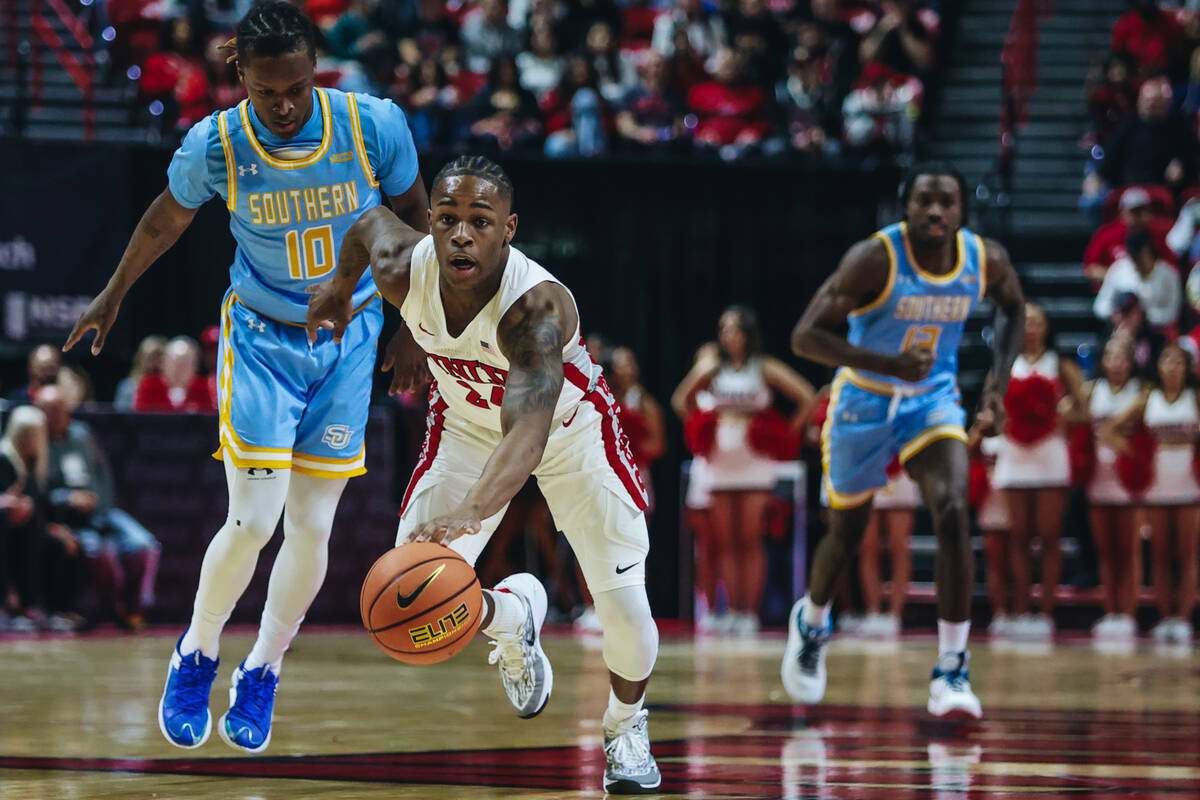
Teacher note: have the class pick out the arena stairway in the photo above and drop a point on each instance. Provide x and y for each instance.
(59, 113)
(1049, 159)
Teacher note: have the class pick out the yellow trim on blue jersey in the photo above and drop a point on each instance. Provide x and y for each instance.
(230, 166)
(323, 473)
(359, 143)
(939, 280)
(837, 499)
(982, 265)
(324, 467)
(929, 436)
(891, 278)
(353, 313)
(881, 387)
(307, 161)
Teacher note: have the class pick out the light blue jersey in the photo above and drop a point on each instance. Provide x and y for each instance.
(874, 418)
(284, 404)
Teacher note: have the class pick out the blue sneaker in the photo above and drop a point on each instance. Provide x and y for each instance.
(950, 695)
(803, 668)
(246, 726)
(183, 714)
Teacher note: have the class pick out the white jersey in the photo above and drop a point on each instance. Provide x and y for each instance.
(742, 391)
(1105, 487)
(1106, 403)
(1173, 424)
(1046, 366)
(469, 368)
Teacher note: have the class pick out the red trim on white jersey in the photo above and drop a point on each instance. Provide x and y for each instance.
(435, 423)
(616, 443)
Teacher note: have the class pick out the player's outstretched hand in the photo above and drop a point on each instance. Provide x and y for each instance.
(447, 528)
(913, 364)
(328, 308)
(99, 316)
(405, 359)
(991, 413)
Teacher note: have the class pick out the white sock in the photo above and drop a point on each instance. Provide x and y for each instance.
(952, 636)
(508, 614)
(814, 615)
(619, 714)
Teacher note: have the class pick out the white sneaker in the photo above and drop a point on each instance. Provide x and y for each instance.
(1164, 631)
(524, 668)
(588, 622)
(745, 624)
(630, 767)
(849, 623)
(1002, 626)
(1124, 626)
(950, 695)
(1181, 632)
(1033, 626)
(803, 669)
(880, 626)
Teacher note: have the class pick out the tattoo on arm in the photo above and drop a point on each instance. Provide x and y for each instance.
(535, 377)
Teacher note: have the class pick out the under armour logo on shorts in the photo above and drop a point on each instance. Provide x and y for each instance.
(337, 436)
(256, 325)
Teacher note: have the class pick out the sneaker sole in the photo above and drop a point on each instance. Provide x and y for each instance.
(954, 714)
(549, 683)
(625, 786)
(229, 741)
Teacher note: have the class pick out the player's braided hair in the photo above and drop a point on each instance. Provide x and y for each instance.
(272, 28)
(478, 167)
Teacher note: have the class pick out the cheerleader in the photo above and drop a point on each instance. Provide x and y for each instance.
(892, 515)
(1033, 466)
(740, 478)
(991, 515)
(696, 504)
(1110, 505)
(1171, 503)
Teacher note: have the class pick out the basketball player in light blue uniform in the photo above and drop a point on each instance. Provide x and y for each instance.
(296, 166)
(905, 293)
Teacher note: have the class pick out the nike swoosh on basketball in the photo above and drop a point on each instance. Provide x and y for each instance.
(622, 570)
(422, 327)
(406, 600)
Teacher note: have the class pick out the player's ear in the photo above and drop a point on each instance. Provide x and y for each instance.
(510, 228)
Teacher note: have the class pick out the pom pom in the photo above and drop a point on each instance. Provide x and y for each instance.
(770, 434)
(700, 432)
(1081, 446)
(1032, 407)
(894, 468)
(978, 485)
(1135, 465)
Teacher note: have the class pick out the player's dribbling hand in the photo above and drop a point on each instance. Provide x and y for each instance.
(329, 309)
(913, 364)
(405, 359)
(99, 316)
(447, 528)
(991, 413)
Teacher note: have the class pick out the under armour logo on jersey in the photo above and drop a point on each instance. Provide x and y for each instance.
(256, 325)
(337, 436)
(252, 169)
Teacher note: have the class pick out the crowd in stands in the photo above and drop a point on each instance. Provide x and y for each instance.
(821, 78)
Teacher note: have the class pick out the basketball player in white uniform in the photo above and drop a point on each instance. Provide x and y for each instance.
(515, 394)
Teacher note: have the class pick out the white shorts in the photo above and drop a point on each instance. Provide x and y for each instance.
(1174, 483)
(586, 475)
(698, 495)
(733, 465)
(1041, 465)
(900, 493)
(1105, 489)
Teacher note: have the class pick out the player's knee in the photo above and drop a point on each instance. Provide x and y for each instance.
(630, 635)
(948, 509)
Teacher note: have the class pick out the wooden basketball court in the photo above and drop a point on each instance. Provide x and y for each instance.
(1064, 721)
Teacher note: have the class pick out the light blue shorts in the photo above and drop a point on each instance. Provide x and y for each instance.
(865, 430)
(285, 405)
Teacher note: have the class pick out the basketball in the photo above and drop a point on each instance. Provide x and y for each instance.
(421, 602)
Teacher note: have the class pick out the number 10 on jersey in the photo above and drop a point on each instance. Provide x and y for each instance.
(310, 252)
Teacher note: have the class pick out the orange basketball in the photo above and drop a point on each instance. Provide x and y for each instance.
(421, 602)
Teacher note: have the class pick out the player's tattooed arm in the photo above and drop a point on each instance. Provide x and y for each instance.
(158, 229)
(1004, 290)
(860, 278)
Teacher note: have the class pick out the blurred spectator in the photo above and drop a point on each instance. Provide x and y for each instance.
(75, 386)
(210, 351)
(730, 112)
(1150, 36)
(146, 361)
(343, 36)
(38, 557)
(901, 39)
(614, 75)
(758, 37)
(1188, 93)
(805, 98)
(486, 35)
(222, 15)
(122, 555)
(1108, 242)
(431, 105)
(225, 90)
(880, 114)
(504, 115)
(178, 387)
(578, 18)
(1152, 147)
(704, 30)
(177, 75)
(44, 363)
(641, 415)
(1113, 97)
(432, 34)
(1154, 283)
(578, 119)
(637, 25)
(685, 67)
(541, 66)
(651, 115)
(821, 28)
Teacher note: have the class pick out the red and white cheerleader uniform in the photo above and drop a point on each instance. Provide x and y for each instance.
(1044, 462)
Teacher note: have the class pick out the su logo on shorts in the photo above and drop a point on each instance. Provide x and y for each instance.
(337, 436)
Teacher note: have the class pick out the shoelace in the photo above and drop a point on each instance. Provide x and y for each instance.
(957, 680)
(631, 749)
(194, 681)
(510, 652)
(810, 651)
(256, 691)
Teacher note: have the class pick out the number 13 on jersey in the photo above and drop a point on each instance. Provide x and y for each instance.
(310, 253)
(922, 336)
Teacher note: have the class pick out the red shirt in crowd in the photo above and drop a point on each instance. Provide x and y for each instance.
(154, 395)
(1108, 242)
(1150, 43)
(728, 114)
